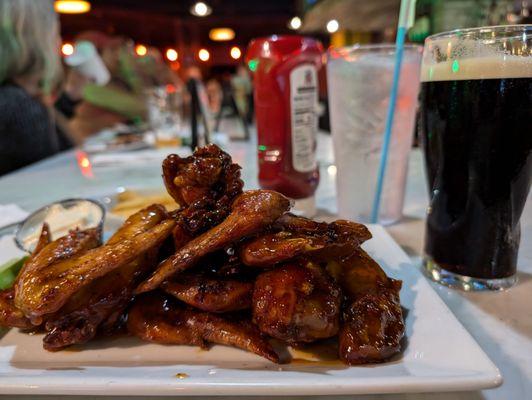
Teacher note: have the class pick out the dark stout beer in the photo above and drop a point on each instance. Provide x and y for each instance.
(476, 127)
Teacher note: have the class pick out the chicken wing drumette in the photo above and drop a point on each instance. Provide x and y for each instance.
(373, 324)
(297, 303)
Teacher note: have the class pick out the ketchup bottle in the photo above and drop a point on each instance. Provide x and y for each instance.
(286, 98)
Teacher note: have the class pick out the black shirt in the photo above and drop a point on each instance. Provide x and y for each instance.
(27, 132)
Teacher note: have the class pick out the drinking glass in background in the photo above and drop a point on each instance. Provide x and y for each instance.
(86, 60)
(359, 79)
(475, 125)
(165, 114)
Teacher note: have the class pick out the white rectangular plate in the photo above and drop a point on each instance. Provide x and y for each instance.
(439, 356)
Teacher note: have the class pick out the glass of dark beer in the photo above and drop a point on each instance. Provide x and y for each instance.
(476, 128)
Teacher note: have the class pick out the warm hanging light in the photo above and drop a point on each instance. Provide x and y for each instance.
(204, 55)
(141, 50)
(221, 34)
(332, 26)
(295, 23)
(200, 9)
(72, 6)
(235, 53)
(171, 54)
(67, 49)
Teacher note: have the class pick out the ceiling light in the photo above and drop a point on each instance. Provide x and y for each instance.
(295, 23)
(235, 53)
(200, 9)
(67, 49)
(141, 50)
(72, 6)
(171, 54)
(221, 34)
(332, 26)
(204, 55)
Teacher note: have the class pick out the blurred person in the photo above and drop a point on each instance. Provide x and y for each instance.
(122, 99)
(243, 90)
(214, 94)
(30, 70)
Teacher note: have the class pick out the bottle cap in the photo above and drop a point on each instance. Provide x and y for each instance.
(305, 207)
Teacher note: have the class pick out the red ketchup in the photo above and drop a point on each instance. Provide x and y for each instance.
(286, 98)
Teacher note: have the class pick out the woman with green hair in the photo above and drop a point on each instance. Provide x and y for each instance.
(30, 68)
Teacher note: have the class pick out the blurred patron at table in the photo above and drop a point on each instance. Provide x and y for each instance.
(123, 99)
(119, 101)
(30, 85)
(243, 91)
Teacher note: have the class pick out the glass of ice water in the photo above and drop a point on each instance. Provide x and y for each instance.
(359, 82)
(165, 107)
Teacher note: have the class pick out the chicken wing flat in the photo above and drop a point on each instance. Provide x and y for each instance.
(204, 184)
(274, 248)
(297, 303)
(208, 294)
(41, 291)
(11, 316)
(338, 228)
(373, 327)
(75, 243)
(157, 318)
(301, 236)
(251, 212)
(78, 320)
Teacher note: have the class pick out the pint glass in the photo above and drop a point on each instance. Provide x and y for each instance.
(476, 129)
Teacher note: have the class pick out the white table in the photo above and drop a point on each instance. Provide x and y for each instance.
(500, 322)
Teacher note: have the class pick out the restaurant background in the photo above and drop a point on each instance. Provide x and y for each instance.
(163, 42)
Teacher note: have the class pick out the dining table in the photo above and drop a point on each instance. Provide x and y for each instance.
(501, 322)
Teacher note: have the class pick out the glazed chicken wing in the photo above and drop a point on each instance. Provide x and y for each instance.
(11, 316)
(78, 320)
(44, 287)
(357, 274)
(160, 319)
(208, 294)
(75, 243)
(252, 211)
(297, 303)
(204, 184)
(373, 325)
(301, 236)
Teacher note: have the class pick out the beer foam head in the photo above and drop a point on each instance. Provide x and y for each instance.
(478, 68)
(459, 59)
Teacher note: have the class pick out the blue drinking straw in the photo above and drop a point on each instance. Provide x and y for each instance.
(406, 20)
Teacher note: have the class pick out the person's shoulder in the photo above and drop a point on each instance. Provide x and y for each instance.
(12, 96)
(13, 90)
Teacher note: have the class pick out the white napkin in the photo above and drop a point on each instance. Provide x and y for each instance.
(8, 249)
(10, 213)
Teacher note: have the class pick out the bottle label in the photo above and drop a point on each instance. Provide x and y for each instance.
(304, 105)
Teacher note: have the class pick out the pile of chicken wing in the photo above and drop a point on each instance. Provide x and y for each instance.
(231, 267)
